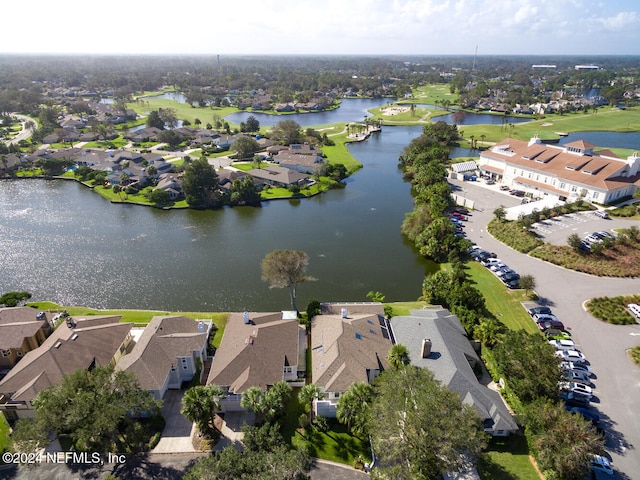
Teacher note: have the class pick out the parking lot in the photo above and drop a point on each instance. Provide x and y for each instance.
(618, 381)
(556, 230)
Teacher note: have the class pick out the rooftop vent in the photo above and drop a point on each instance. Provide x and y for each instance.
(74, 336)
(343, 313)
(426, 347)
(57, 345)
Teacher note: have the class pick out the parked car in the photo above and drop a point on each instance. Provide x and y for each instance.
(577, 377)
(515, 283)
(556, 334)
(634, 308)
(573, 399)
(541, 317)
(490, 261)
(510, 277)
(504, 272)
(564, 344)
(574, 387)
(576, 367)
(587, 414)
(496, 267)
(550, 324)
(574, 356)
(598, 463)
(602, 214)
(504, 187)
(489, 181)
(539, 311)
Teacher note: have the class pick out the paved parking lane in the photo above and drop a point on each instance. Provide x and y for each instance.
(605, 345)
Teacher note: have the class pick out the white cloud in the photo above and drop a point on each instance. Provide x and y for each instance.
(324, 26)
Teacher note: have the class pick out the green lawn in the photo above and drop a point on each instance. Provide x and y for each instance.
(5, 439)
(139, 317)
(507, 459)
(336, 444)
(503, 303)
(404, 308)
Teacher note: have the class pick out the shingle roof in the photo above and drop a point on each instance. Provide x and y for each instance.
(162, 341)
(596, 170)
(451, 354)
(346, 350)
(254, 354)
(65, 351)
(18, 323)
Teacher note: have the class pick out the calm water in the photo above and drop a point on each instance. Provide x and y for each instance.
(351, 110)
(605, 139)
(64, 243)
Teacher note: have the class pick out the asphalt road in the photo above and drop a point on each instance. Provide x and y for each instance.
(617, 392)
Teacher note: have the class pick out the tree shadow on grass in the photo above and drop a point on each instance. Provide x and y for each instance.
(348, 448)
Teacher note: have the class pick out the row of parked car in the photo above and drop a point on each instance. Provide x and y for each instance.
(576, 387)
(507, 275)
(458, 216)
(595, 237)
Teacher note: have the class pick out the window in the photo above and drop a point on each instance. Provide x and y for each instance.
(5, 353)
(563, 186)
(184, 363)
(19, 353)
(287, 370)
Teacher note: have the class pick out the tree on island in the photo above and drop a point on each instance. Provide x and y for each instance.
(286, 269)
(199, 183)
(287, 132)
(13, 299)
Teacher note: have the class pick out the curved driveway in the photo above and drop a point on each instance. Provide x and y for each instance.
(617, 379)
(24, 133)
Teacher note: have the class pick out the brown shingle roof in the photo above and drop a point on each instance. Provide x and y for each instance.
(344, 349)
(18, 323)
(65, 351)
(592, 170)
(162, 341)
(254, 354)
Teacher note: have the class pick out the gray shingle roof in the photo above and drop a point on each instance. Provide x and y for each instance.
(451, 360)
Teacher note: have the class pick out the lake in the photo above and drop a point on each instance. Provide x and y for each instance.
(67, 244)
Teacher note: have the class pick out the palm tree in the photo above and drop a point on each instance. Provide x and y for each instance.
(251, 399)
(307, 395)
(398, 356)
(354, 407)
(199, 404)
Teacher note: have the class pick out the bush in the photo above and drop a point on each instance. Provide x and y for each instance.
(613, 309)
(514, 235)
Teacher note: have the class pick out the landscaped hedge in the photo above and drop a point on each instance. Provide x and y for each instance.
(613, 309)
(620, 260)
(514, 235)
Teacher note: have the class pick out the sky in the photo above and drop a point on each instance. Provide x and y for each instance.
(343, 27)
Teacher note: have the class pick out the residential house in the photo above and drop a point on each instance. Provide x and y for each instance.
(227, 177)
(169, 183)
(22, 329)
(169, 352)
(278, 176)
(258, 350)
(148, 134)
(300, 163)
(567, 172)
(349, 343)
(437, 340)
(78, 343)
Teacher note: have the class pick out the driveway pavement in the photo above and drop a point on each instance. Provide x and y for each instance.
(176, 436)
(617, 393)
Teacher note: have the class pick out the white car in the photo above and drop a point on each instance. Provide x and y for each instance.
(598, 463)
(635, 309)
(580, 388)
(497, 266)
(564, 344)
(574, 356)
(576, 367)
(490, 261)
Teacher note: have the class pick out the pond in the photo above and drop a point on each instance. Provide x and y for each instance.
(65, 243)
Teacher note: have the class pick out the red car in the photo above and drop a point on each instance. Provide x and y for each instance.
(547, 324)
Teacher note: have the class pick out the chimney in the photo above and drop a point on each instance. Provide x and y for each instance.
(534, 140)
(426, 347)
